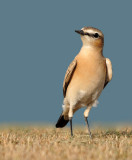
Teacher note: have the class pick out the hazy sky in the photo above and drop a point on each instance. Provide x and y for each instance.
(38, 42)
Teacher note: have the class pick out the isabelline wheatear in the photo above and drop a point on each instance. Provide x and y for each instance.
(86, 77)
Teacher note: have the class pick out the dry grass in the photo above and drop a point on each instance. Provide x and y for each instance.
(42, 143)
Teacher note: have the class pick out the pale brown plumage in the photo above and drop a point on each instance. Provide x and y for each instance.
(70, 72)
(86, 76)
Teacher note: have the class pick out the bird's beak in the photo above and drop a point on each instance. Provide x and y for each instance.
(79, 32)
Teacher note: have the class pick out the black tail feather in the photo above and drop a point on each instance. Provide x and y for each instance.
(61, 122)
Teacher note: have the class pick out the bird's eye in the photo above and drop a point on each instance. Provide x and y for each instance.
(96, 35)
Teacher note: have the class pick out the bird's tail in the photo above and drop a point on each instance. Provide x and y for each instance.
(61, 122)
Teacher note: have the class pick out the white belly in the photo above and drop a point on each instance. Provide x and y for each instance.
(83, 98)
(88, 99)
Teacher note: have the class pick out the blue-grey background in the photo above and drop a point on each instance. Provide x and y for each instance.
(38, 42)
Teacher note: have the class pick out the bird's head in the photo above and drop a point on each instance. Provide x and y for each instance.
(91, 37)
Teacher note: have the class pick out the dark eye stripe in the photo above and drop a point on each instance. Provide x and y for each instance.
(96, 35)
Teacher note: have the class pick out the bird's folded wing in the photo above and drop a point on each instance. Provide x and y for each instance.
(108, 72)
(68, 75)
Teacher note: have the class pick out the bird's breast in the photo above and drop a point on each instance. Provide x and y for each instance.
(90, 71)
(87, 81)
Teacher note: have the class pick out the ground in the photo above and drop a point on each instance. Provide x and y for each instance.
(47, 143)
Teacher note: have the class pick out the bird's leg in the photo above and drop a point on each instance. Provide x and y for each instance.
(86, 113)
(70, 114)
(71, 125)
(86, 120)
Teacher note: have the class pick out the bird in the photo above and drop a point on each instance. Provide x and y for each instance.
(86, 77)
